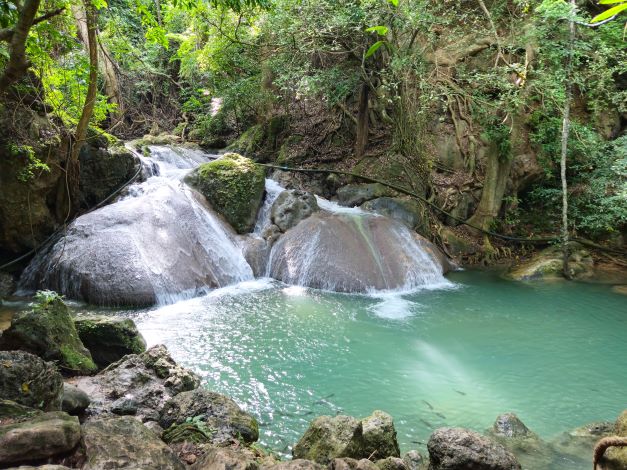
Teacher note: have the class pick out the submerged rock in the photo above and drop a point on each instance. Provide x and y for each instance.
(329, 438)
(75, 400)
(123, 442)
(38, 437)
(162, 243)
(548, 265)
(30, 381)
(292, 206)
(138, 384)
(234, 187)
(48, 331)
(108, 338)
(354, 253)
(457, 448)
(509, 425)
(218, 412)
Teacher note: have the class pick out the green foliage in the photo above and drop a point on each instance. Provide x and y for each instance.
(45, 298)
(31, 166)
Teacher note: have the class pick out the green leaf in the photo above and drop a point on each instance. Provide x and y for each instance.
(609, 13)
(393, 2)
(374, 48)
(380, 30)
(609, 2)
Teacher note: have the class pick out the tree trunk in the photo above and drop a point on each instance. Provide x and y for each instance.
(565, 135)
(361, 133)
(107, 66)
(73, 164)
(18, 64)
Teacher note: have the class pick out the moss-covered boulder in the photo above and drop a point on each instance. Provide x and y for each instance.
(30, 381)
(548, 265)
(49, 332)
(234, 186)
(108, 338)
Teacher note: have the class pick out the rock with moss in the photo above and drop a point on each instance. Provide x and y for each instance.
(578, 444)
(109, 338)
(138, 385)
(615, 458)
(234, 187)
(219, 458)
(12, 412)
(39, 436)
(7, 285)
(215, 415)
(292, 206)
(353, 195)
(379, 436)
(547, 265)
(124, 442)
(28, 380)
(49, 332)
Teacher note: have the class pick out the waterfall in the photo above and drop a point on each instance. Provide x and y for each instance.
(159, 242)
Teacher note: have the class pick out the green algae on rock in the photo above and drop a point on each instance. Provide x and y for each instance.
(47, 330)
(234, 187)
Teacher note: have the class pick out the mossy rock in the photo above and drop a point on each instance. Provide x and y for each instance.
(548, 265)
(49, 332)
(250, 142)
(234, 187)
(109, 339)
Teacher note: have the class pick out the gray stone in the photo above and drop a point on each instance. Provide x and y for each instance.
(292, 206)
(391, 463)
(123, 442)
(347, 463)
(217, 458)
(75, 400)
(330, 437)
(407, 211)
(509, 425)
(150, 379)
(38, 437)
(457, 448)
(219, 412)
(30, 381)
(353, 195)
(109, 338)
(413, 459)
(379, 436)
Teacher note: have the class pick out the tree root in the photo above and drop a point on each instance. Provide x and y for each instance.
(603, 445)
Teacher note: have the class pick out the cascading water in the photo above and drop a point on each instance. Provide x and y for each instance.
(158, 243)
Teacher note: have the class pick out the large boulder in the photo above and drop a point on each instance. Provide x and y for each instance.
(457, 448)
(292, 206)
(234, 187)
(139, 384)
(38, 436)
(124, 442)
(106, 165)
(356, 194)
(355, 253)
(218, 412)
(108, 338)
(30, 381)
(48, 331)
(548, 265)
(328, 438)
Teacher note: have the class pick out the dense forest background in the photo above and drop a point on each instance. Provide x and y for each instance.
(461, 102)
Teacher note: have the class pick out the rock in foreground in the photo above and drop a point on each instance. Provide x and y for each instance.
(457, 448)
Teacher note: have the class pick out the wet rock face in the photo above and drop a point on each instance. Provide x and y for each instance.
(509, 425)
(141, 250)
(406, 211)
(329, 438)
(456, 448)
(220, 414)
(138, 385)
(38, 437)
(346, 253)
(353, 195)
(30, 381)
(109, 339)
(123, 442)
(48, 331)
(292, 206)
(234, 187)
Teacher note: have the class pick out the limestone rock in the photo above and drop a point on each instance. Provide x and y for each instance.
(108, 338)
(30, 381)
(406, 211)
(123, 442)
(509, 425)
(329, 437)
(456, 448)
(149, 380)
(347, 463)
(220, 413)
(234, 187)
(48, 331)
(413, 459)
(379, 436)
(38, 437)
(75, 400)
(548, 265)
(391, 463)
(292, 206)
(353, 195)
(220, 458)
